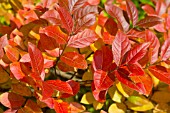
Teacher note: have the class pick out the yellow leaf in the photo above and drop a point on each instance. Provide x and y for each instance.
(139, 103)
(155, 80)
(97, 45)
(97, 105)
(87, 98)
(117, 108)
(126, 91)
(114, 94)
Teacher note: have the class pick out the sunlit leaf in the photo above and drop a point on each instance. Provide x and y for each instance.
(74, 59)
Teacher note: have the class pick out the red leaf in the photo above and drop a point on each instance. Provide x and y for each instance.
(83, 11)
(3, 43)
(61, 107)
(64, 4)
(86, 21)
(137, 53)
(135, 34)
(117, 13)
(66, 19)
(149, 10)
(98, 94)
(12, 100)
(75, 4)
(12, 53)
(37, 60)
(123, 76)
(154, 46)
(132, 11)
(25, 58)
(16, 70)
(52, 16)
(161, 73)
(75, 88)
(144, 82)
(135, 69)
(56, 33)
(82, 39)
(93, 2)
(74, 59)
(160, 7)
(102, 80)
(120, 46)
(149, 21)
(64, 67)
(45, 41)
(107, 38)
(102, 59)
(49, 86)
(75, 107)
(111, 26)
(165, 50)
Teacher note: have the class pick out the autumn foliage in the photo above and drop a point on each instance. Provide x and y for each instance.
(64, 55)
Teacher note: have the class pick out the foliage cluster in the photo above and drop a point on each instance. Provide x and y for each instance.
(71, 56)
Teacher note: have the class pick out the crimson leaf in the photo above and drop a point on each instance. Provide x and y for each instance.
(117, 13)
(120, 46)
(82, 39)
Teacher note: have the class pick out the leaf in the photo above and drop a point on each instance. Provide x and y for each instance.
(161, 73)
(132, 11)
(52, 16)
(117, 108)
(75, 4)
(154, 45)
(137, 53)
(16, 70)
(86, 21)
(83, 11)
(76, 107)
(45, 41)
(11, 100)
(165, 50)
(30, 106)
(3, 43)
(102, 59)
(74, 59)
(87, 98)
(133, 33)
(102, 80)
(139, 103)
(64, 67)
(75, 88)
(82, 39)
(12, 53)
(120, 46)
(37, 60)
(135, 69)
(21, 89)
(60, 106)
(161, 97)
(111, 26)
(107, 38)
(97, 105)
(56, 33)
(4, 77)
(114, 94)
(93, 2)
(49, 86)
(160, 7)
(99, 95)
(117, 13)
(149, 21)
(149, 9)
(66, 19)
(137, 83)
